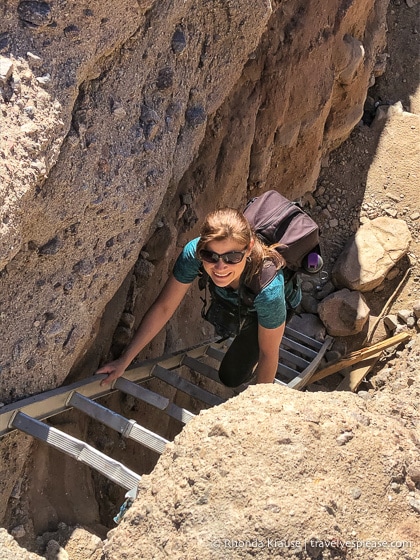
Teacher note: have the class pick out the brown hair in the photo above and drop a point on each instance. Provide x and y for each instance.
(228, 223)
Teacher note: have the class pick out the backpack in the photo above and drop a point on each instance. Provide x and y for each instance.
(275, 219)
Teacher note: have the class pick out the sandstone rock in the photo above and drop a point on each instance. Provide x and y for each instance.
(10, 550)
(344, 313)
(369, 256)
(266, 477)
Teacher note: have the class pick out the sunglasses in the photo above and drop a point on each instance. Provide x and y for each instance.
(232, 257)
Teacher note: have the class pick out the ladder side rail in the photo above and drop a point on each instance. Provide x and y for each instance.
(77, 449)
(302, 379)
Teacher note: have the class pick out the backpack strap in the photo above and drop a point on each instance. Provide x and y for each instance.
(248, 292)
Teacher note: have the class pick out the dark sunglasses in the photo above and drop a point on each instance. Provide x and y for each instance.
(232, 257)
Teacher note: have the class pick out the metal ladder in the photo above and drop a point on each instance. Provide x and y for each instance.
(300, 356)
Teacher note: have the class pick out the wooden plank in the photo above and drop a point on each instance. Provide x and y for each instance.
(354, 377)
(359, 355)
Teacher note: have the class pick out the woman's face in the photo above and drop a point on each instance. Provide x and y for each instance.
(222, 273)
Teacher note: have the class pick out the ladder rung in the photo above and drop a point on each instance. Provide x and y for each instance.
(128, 428)
(286, 371)
(185, 386)
(162, 403)
(77, 449)
(291, 344)
(287, 356)
(291, 333)
(202, 368)
(280, 382)
(215, 353)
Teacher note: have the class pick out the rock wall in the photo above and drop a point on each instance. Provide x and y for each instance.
(110, 112)
(122, 125)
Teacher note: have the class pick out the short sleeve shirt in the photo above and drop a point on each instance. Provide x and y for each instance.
(269, 305)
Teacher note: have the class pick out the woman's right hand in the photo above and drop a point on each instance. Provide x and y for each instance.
(114, 369)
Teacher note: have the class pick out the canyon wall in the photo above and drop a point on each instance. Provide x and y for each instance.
(122, 125)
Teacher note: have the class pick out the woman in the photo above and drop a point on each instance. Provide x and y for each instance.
(232, 257)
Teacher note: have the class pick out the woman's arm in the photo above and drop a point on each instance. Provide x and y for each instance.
(269, 343)
(154, 320)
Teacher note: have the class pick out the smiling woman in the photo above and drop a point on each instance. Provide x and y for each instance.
(246, 284)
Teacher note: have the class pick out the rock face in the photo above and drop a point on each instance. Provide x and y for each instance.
(123, 124)
(368, 257)
(277, 473)
(111, 112)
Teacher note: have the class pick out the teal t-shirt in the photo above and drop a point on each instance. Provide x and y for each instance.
(269, 304)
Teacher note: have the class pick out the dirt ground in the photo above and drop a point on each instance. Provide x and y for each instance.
(376, 172)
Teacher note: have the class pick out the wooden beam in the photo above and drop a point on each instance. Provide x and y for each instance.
(354, 377)
(359, 355)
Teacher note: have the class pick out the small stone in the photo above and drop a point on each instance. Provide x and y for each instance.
(195, 116)
(43, 80)
(178, 42)
(393, 197)
(414, 503)
(18, 532)
(33, 58)
(403, 315)
(127, 320)
(411, 322)
(391, 212)
(165, 78)
(4, 41)
(186, 199)
(345, 437)
(415, 216)
(416, 309)
(413, 472)
(410, 3)
(391, 322)
(71, 31)
(6, 69)
(356, 493)
(119, 112)
(393, 273)
(334, 223)
(396, 487)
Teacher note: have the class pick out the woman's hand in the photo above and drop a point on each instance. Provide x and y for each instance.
(114, 369)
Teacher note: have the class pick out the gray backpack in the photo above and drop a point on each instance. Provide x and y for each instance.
(275, 219)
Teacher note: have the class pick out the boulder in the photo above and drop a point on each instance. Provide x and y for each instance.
(344, 313)
(371, 254)
(275, 473)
